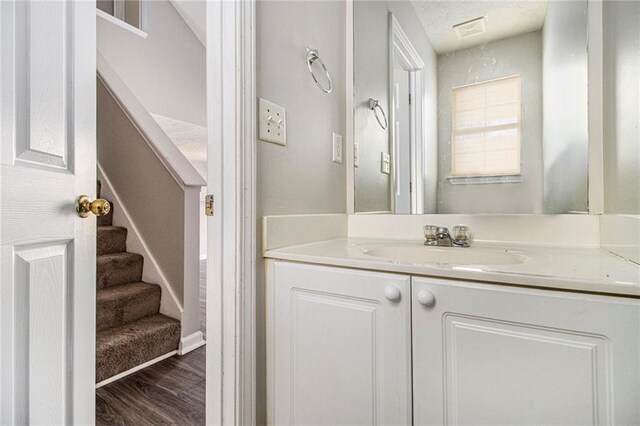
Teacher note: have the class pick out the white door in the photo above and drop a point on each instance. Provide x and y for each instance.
(48, 158)
(496, 355)
(341, 347)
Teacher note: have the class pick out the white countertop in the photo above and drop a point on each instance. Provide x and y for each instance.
(557, 267)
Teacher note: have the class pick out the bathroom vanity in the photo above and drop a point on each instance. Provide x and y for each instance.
(364, 331)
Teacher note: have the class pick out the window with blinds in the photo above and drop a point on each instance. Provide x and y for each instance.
(486, 128)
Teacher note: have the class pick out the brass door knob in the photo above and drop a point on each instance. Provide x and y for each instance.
(99, 207)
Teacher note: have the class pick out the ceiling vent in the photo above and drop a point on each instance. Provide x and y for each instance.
(470, 28)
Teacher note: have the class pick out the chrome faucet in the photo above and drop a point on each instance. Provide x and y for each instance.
(440, 236)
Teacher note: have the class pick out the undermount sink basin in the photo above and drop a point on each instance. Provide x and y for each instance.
(416, 253)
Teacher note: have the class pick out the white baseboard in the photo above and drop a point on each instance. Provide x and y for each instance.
(190, 343)
(134, 369)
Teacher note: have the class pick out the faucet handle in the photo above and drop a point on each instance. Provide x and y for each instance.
(461, 235)
(430, 231)
(430, 234)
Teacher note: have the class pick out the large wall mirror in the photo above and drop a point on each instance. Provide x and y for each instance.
(471, 106)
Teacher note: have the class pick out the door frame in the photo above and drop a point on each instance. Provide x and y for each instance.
(401, 48)
(231, 234)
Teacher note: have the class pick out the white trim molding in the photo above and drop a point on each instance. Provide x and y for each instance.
(120, 23)
(401, 48)
(134, 369)
(350, 92)
(480, 180)
(191, 342)
(401, 44)
(231, 233)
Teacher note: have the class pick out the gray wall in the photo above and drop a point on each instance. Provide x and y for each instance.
(621, 106)
(133, 169)
(166, 71)
(105, 6)
(565, 116)
(300, 177)
(371, 68)
(516, 55)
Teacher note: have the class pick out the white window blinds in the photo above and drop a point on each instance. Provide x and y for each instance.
(486, 128)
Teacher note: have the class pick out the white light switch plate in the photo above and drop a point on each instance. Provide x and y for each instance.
(385, 162)
(272, 123)
(337, 148)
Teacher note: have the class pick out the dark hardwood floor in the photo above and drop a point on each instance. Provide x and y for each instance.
(171, 392)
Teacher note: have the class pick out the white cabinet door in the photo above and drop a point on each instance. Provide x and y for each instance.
(496, 355)
(48, 253)
(341, 347)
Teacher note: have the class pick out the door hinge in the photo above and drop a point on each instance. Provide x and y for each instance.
(409, 98)
(208, 205)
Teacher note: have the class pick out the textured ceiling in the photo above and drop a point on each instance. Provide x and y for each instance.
(504, 19)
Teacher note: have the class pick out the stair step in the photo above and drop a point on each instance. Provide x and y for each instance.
(119, 268)
(121, 348)
(111, 239)
(106, 220)
(124, 303)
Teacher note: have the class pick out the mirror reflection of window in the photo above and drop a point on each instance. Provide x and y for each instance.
(128, 11)
(485, 140)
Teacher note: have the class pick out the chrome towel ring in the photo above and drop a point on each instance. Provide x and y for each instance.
(312, 56)
(374, 106)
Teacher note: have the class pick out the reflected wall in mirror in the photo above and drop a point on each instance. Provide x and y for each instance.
(621, 107)
(486, 103)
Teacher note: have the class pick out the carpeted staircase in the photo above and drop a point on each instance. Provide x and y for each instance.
(130, 328)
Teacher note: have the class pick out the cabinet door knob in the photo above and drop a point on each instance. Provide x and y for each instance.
(392, 293)
(426, 298)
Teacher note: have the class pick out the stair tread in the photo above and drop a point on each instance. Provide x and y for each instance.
(126, 346)
(106, 228)
(122, 290)
(122, 254)
(115, 335)
(123, 303)
(119, 268)
(111, 239)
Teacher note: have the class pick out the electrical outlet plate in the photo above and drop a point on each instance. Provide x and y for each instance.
(337, 148)
(272, 123)
(385, 163)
